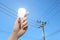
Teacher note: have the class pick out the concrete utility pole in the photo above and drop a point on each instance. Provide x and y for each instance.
(42, 24)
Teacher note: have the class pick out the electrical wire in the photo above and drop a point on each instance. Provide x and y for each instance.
(7, 7)
(10, 12)
(7, 14)
(57, 31)
(7, 11)
(11, 17)
(52, 9)
(51, 17)
(4, 31)
(14, 11)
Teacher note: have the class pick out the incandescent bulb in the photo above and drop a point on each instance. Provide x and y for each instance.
(21, 12)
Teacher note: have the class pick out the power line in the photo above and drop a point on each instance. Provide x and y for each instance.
(8, 11)
(4, 31)
(14, 11)
(52, 8)
(11, 15)
(15, 17)
(7, 14)
(57, 31)
(49, 9)
(7, 7)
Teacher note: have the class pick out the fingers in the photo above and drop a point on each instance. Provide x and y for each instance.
(22, 23)
(25, 24)
(25, 14)
(24, 19)
(19, 23)
(25, 27)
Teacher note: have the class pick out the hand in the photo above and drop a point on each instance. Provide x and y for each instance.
(20, 28)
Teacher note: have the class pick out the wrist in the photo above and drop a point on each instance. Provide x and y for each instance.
(13, 36)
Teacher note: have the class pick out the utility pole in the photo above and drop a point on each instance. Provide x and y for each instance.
(41, 25)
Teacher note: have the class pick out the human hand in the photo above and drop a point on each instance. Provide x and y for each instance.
(19, 29)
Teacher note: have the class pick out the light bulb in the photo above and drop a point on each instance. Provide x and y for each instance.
(21, 12)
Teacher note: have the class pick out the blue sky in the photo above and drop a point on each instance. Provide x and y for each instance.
(48, 10)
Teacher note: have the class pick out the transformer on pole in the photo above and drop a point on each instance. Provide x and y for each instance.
(41, 25)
